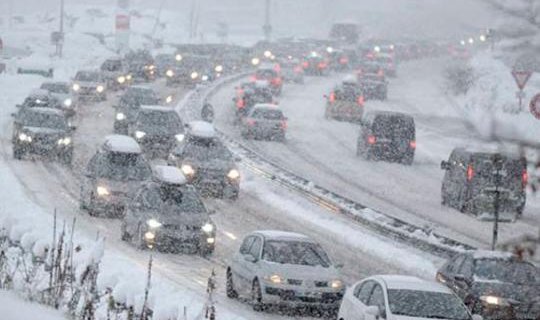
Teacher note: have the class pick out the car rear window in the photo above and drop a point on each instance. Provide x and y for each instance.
(268, 114)
(510, 174)
(393, 126)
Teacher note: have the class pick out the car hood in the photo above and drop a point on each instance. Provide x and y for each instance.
(173, 216)
(89, 84)
(300, 272)
(212, 164)
(44, 131)
(61, 96)
(518, 292)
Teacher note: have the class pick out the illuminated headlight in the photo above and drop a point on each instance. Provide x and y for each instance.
(120, 116)
(494, 300)
(336, 284)
(219, 68)
(151, 67)
(179, 137)
(100, 89)
(210, 240)
(169, 99)
(102, 191)
(276, 279)
(153, 223)
(255, 61)
(233, 174)
(149, 235)
(267, 53)
(65, 141)
(204, 78)
(329, 49)
(25, 137)
(121, 79)
(377, 49)
(68, 102)
(169, 73)
(187, 170)
(76, 87)
(194, 75)
(139, 134)
(178, 57)
(128, 77)
(207, 228)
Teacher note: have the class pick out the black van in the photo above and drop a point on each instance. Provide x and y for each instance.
(389, 136)
(471, 177)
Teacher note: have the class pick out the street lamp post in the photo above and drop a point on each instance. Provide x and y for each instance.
(497, 160)
(60, 40)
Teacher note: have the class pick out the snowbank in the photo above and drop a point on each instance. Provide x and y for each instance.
(15, 308)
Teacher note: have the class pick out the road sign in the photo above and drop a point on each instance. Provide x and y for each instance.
(521, 78)
(534, 106)
(122, 22)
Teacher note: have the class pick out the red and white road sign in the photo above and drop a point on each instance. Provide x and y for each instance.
(521, 78)
(534, 106)
(122, 22)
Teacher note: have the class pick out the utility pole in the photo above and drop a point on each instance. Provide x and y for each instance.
(267, 28)
(497, 160)
(60, 40)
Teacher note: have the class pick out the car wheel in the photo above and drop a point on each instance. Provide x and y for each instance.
(256, 296)
(17, 152)
(231, 292)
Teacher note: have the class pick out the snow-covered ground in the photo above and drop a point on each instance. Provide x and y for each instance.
(13, 307)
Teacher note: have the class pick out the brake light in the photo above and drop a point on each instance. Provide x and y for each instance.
(276, 81)
(253, 78)
(322, 65)
(332, 97)
(344, 60)
(371, 139)
(470, 172)
(283, 124)
(251, 122)
(240, 103)
(524, 178)
(305, 64)
(412, 144)
(360, 101)
(380, 73)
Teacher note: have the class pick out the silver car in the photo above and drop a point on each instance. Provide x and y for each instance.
(90, 85)
(265, 121)
(114, 172)
(284, 268)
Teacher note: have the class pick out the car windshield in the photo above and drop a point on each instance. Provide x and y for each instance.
(267, 114)
(347, 94)
(265, 74)
(183, 199)
(164, 121)
(143, 97)
(88, 76)
(510, 174)
(56, 87)
(111, 65)
(295, 252)
(206, 150)
(425, 304)
(506, 271)
(41, 101)
(43, 120)
(122, 167)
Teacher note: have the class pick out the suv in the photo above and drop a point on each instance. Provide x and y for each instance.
(115, 73)
(168, 214)
(62, 92)
(496, 285)
(116, 170)
(157, 129)
(42, 99)
(471, 177)
(129, 105)
(206, 162)
(345, 102)
(42, 131)
(90, 85)
(265, 121)
(387, 136)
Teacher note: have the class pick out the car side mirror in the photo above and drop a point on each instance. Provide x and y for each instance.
(250, 258)
(373, 311)
(462, 280)
(445, 165)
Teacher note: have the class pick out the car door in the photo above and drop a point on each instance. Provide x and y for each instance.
(377, 299)
(465, 272)
(252, 267)
(451, 271)
(237, 265)
(359, 300)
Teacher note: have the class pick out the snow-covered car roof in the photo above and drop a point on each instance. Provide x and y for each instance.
(39, 92)
(156, 108)
(49, 111)
(169, 175)
(282, 235)
(63, 83)
(265, 106)
(411, 283)
(122, 144)
(139, 87)
(349, 79)
(201, 129)
(486, 254)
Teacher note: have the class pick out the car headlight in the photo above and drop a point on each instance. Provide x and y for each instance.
(180, 137)
(100, 89)
(120, 116)
(494, 300)
(276, 279)
(139, 134)
(68, 102)
(102, 191)
(219, 68)
(187, 170)
(128, 77)
(178, 57)
(255, 61)
(194, 75)
(65, 141)
(169, 73)
(76, 87)
(336, 284)
(208, 227)
(169, 99)
(25, 137)
(153, 223)
(233, 174)
(204, 78)
(149, 236)
(121, 79)
(152, 67)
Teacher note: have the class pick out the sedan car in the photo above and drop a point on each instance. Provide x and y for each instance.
(167, 214)
(284, 268)
(264, 121)
(393, 297)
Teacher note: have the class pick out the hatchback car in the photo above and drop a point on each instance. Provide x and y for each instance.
(496, 285)
(130, 104)
(470, 181)
(394, 297)
(206, 162)
(389, 136)
(284, 268)
(265, 121)
(116, 170)
(157, 129)
(167, 214)
(89, 85)
(44, 132)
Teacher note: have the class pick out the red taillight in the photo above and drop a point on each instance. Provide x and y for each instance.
(524, 178)
(240, 103)
(360, 101)
(276, 81)
(343, 60)
(371, 139)
(253, 78)
(305, 64)
(321, 65)
(332, 97)
(412, 144)
(284, 124)
(470, 173)
(380, 73)
(251, 122)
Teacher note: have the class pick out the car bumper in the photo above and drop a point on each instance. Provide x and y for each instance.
(175, 242)
(44, 148)
(302, 297)
(490, 312)
(508, 208)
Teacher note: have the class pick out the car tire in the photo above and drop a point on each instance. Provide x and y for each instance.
(229, 286)
(17, 152)
(256, 296)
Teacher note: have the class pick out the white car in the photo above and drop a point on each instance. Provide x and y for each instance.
(284, 268)
(394, 297)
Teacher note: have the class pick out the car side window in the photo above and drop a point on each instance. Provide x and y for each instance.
(365, 291)
(377, 298)
(92, 165)
(256, 247)
(455, 265)
(466, 268)
(246, 245)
